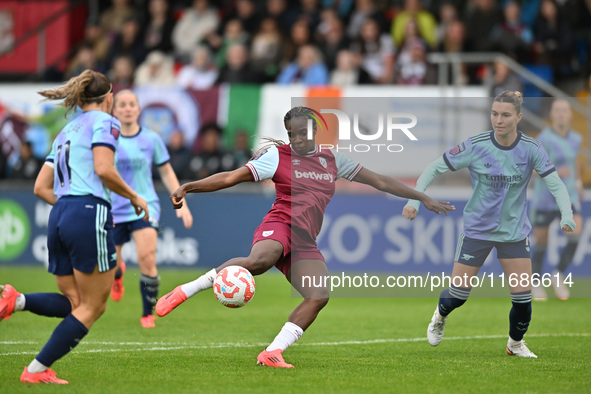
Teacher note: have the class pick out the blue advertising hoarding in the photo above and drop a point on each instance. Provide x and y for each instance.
(361, 233)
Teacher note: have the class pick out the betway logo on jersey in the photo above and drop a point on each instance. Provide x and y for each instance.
(313, 175)
(379, 140)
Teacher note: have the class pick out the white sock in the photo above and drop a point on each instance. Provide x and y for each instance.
(512, 342)
(36, 367)
(204, 282)
(19, 304)
(288, 335)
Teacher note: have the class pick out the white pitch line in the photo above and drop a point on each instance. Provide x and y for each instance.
(161, 346)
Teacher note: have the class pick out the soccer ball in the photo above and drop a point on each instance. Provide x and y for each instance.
(234, 286)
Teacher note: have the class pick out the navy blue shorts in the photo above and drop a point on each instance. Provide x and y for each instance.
(473, 252)
(80, 236)
(122, 233)
(544, 218)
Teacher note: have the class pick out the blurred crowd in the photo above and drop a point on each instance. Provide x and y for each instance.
(199, 43)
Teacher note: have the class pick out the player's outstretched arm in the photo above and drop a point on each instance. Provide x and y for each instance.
(394, 187)
(171, 182)
(433, 170)
(44, 184)
(219, 181)
(560, 193)
(104, 166)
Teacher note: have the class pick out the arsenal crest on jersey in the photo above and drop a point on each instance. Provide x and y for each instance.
(323, 162)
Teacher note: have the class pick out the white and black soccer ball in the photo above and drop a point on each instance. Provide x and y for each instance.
(234, 286)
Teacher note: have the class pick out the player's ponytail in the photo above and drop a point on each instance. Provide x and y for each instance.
(515, 98)
(267, 143)
(86, 88)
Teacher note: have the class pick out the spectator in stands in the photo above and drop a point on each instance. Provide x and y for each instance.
(308, 68)
(266, 50)
(513, 37)
(241, 151)
(129, 43)
(157, 29)
(426, 23)
(300, 36)
(454, 41)
(480, 21)
(157, 70)
(279, 10)
(246, 12)
(309, 11)
(348, 70)
(192, 28)
(85, 59)
(553, 38)
(504, 79)
(412, 67)
(96, 37)
(363, 10)
(448, 14)
(113, 18)
(234, 33)
(180, 156)
(377, 52)
(211, 156)
(201, 73)
(121, 75)
(332, 40)
(237, 68)
(26, 166)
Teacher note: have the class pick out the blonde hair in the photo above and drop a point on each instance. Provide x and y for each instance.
(86, 88)
(124, 91)
(513, 97)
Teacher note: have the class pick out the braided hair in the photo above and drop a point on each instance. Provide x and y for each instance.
(300, 111)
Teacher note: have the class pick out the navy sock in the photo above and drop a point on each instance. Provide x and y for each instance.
(568, 253)
(537, 261)
(48, 304)
(65, 337)
(118, 273)
(520, 314)
(149, 289)
(452, 298)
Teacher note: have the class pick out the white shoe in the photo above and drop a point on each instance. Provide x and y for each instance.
(560, 289)
(538, 293)
(518, 348)
(436, 328)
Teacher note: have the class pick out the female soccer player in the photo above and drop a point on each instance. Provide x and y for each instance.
(138, 149)
(304, 178)
(76, 179)
(501, 163)
(562, 145)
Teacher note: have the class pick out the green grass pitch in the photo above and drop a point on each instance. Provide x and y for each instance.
(356, 345)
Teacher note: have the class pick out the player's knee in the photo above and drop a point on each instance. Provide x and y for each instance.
(258, 264)
(318, 303)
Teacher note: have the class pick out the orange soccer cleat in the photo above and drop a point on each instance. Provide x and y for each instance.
(118, 289)
(147, 321)
(272, 359)
(167, 303)
(7, 301)
(41, 377)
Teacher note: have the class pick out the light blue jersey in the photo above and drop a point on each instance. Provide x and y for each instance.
(135, 157)
(562, 152)
(72, 156)
(497, 210)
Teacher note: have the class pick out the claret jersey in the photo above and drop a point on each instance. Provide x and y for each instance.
(304, 184)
